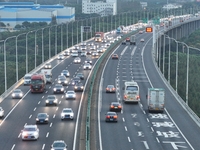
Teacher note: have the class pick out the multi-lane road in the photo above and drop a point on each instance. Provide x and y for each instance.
(137, 128)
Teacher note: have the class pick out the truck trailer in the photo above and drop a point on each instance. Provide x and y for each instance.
(156, 99)
(48, 74)
(133, 40)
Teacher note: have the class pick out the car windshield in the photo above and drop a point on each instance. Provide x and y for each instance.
(42, 115)
(67, 110)
(70, 92)
(58, 144)
(58, 86)
(110, 86)
(29, 129)
(132, 88)
(17, 91)
(51, 97)
(27, 77)
(37, 81)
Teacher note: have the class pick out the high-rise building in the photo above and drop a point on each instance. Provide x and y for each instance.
(103, 8)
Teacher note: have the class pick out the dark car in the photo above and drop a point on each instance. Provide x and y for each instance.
(79, 87)
(111, 117)
(51, 100)
(65, 73)
(58, 88)
(59, 145)
(62, 80)
(75, 80)
(42, 118)
(80, 75)
(110, 89)
(115, 106)
(88, 52)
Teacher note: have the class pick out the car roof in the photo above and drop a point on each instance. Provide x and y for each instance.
(70, 91)
(30, 126)
(16, 90)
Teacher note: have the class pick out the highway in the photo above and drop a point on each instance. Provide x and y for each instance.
(136, 127)
(19, 112)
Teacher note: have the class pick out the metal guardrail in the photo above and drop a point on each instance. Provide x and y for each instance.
(95, 70)
(175, 94)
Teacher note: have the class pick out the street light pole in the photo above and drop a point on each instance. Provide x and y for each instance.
(27, 51)
(17, 72)
(42, 46)
(5, 68)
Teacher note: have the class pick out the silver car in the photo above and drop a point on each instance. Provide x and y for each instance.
(30, 132)
(70, 95)
(67, 113)
(51, 100)
(17, 93)
(87, 66)
(77, 60)
(1, 112)
(59, 145)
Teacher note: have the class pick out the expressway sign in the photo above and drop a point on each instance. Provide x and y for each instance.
(86, 29)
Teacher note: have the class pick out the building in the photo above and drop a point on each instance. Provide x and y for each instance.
(14, 13)
(103, 8)
(171, 6)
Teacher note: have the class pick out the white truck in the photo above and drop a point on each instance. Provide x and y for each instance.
(48, 75)
(133, 40)
(156, 99)
(131, 92)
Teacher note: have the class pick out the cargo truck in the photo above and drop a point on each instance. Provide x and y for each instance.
(132, 40)
(99, 36)
(38, 83)
(156, 99)
(48, 75)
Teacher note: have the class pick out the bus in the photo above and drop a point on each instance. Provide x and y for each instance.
(131, 92)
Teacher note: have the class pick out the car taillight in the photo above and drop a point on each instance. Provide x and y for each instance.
(107, 88)
(138, 97)
(111, 106)
(115, 117)
(119, 106)
(113, 88)
(107, 116)
(125, 97)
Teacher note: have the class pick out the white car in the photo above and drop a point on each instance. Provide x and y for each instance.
(1, 112)
(61, 57)
(30, 132)
(83, 44)
(83, 47)
(70, 95)
(27, 79)
(87, 66)
(100, 50)
(67, 113)
(83, 54)
(90, 44)
(47, 66)
(141, 40)
(94, 54)
(74, 54)
(77, 60)
(17, 93)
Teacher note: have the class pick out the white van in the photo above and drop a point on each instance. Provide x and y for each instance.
(27, 79)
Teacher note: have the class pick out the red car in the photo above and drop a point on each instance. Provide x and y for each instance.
(115, 56)
(128, 39)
